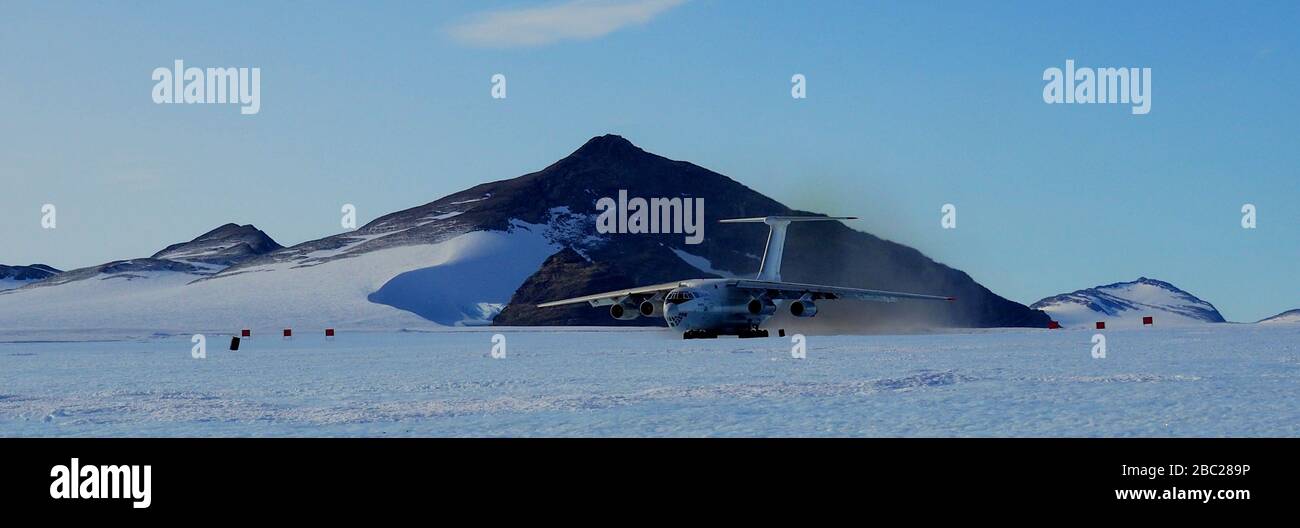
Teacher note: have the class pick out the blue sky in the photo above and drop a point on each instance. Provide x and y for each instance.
(910, 105)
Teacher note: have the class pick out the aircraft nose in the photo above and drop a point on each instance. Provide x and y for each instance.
(673, 314)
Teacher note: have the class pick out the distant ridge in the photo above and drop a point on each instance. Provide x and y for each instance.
(18, 276)
(1129, 301)
(1287, 317)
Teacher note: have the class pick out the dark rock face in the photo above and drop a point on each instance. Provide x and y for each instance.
(563, 273)
(225, 245)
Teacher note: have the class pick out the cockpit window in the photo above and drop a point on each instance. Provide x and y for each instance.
(678, 297)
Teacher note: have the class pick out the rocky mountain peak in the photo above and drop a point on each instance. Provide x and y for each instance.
(608, 146)
(225, 245)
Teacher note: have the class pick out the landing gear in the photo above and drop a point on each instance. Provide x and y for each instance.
(699, 334)
(746, 333)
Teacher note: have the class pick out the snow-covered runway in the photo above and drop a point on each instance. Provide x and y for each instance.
(1208, 380)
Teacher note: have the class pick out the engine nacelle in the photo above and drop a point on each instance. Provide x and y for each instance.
(760, 307)
(803, 308)
(650, 308)
(623, 311)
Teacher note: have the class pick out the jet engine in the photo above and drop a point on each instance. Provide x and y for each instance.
(623, 311)
(760, 307)
(803, 308)
(650, 308)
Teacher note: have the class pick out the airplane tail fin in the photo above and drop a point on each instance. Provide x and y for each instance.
(770, 269)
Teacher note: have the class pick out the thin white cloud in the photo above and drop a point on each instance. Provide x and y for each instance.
(572, 20)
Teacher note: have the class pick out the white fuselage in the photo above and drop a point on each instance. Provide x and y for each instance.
(714, 305)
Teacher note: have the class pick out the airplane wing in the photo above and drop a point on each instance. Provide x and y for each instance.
(611, 297)
(793, 290)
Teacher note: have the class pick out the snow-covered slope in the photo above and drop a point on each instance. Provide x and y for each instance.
(361, 291)
(1127, 303)
(1287, 317)
(134, 293)
(421, 268)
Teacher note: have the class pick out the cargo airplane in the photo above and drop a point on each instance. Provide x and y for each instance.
(707, 308)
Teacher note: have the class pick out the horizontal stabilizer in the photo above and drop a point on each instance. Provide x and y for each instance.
(766, 219)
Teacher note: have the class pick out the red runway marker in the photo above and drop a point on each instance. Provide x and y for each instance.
(329, 332)
(288, 332)
(246, 333)
(1101, 325)
(1148, 320)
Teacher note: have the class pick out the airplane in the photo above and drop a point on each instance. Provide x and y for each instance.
(707, 308)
